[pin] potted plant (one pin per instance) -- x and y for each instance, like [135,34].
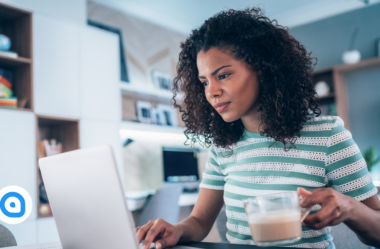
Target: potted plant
[371,158]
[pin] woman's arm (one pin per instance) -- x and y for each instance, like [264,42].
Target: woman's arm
[199,223]
[194,228]
[361,217]
[365,220]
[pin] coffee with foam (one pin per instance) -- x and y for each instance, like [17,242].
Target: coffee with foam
[275,225]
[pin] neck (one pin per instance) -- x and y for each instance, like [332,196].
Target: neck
[251,120]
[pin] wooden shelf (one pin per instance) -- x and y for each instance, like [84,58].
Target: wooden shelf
[10,13]
[330,95]
[14,62]
[17,109]
[335,78]
[128,125]
[340,73]
[361,65]
[129,112]
[17,25]
[149,92]
[64,130]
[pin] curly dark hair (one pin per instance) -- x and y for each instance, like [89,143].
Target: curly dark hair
[287,96]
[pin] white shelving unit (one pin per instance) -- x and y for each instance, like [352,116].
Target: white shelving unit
[75,79]
[127,125]
[149,90]
[99,75]
[18,152]
[56,67]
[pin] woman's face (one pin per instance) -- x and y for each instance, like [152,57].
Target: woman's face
[231,87]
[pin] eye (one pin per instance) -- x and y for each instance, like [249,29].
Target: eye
[223,76]
[205,83]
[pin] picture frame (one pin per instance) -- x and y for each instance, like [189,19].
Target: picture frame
[161,80]
[167,115]
[144,111]
[123,60]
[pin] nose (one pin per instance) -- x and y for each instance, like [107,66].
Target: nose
[213,90]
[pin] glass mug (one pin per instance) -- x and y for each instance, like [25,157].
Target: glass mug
[275,219]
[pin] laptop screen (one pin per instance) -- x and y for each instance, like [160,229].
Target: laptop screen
[180,165]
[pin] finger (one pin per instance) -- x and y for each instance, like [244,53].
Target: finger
[328,215]
[303,191]
[164,242]
[137,229]
[143,230]
[155,230]
[317,197]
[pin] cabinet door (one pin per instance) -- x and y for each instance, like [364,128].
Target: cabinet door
[18,152]
[47,231]
[94,133]
[56,67]
[100,74]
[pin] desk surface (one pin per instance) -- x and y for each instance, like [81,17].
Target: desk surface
[207,245]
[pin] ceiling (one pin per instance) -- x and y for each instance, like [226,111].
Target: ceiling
[185,15]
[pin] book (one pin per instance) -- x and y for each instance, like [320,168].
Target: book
[21,103]
[5,91]
[11,54]
[8,107]
[41,149]
[7,74]
[5,82]
[11,101]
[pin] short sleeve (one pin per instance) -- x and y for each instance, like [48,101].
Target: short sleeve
[346,169]
[213,177]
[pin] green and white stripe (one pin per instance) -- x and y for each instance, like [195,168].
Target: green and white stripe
[325,156]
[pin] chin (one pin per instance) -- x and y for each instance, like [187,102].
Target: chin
[228,117]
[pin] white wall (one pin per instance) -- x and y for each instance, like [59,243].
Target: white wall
[70,10]
[147,46]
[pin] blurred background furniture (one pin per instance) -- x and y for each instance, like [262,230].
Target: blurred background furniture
[6,237]
[164,205]
[221,224]
[345,238]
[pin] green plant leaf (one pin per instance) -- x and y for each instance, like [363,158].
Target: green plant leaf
[371,158]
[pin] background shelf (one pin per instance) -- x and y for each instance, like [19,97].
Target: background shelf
[17,25]
[63,130]
[14,62]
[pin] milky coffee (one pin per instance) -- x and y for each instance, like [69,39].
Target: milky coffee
[275,225]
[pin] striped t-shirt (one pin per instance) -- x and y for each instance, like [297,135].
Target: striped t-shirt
[325,156]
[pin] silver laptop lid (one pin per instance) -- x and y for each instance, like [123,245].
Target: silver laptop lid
[87,199]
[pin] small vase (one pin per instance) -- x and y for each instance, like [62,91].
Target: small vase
[350,57]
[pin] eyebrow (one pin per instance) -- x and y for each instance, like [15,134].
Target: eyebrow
[215,72]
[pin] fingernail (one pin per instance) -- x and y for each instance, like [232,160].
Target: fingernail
[304,190]
[158,245]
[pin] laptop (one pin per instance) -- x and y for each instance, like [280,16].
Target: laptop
[87,200]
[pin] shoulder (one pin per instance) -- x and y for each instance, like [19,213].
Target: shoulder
[323,123]
[324,119]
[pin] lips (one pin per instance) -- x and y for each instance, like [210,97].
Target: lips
[220,107]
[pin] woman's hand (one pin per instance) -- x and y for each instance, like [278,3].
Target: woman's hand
[336,207]
[159,231]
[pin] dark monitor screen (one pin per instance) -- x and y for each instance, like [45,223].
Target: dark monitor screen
[180,165]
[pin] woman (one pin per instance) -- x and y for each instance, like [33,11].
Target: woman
[249,95]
